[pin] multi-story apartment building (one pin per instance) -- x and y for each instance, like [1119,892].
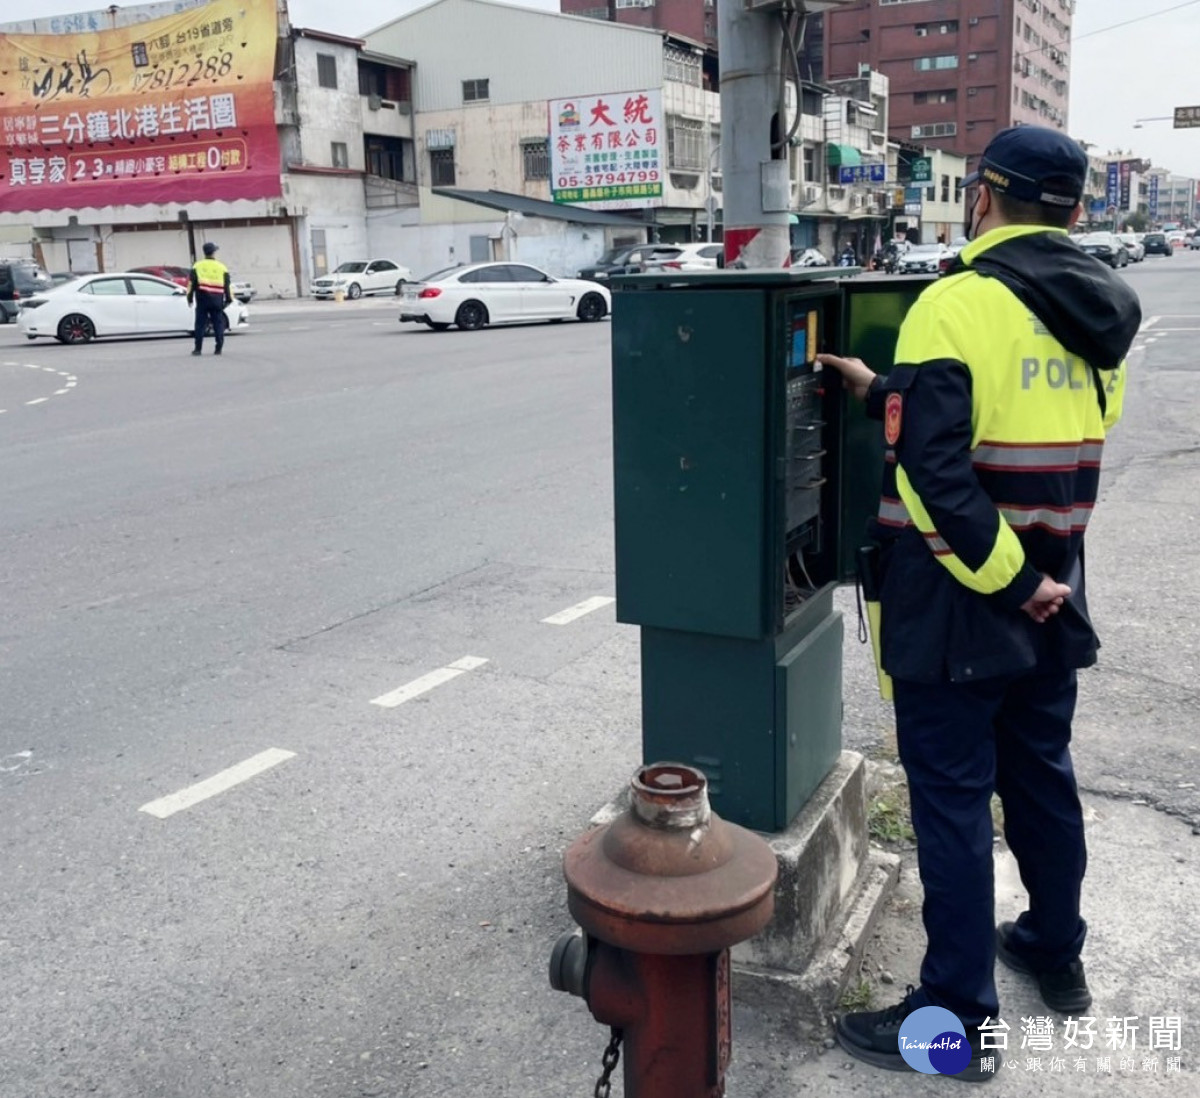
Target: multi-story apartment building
[959,70]
[694,19]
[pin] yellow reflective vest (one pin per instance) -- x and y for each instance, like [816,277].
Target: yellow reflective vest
[210,276]
[1009,373]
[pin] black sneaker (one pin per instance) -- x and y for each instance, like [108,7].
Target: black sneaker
[195,352]
[873,1036]
[1062,989]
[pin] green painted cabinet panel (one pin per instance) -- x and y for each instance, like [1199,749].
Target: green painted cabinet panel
[808,699]
[872,314]
[690,468]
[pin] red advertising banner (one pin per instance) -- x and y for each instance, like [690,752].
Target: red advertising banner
[179,109]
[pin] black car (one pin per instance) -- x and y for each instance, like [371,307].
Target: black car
[1106,248]
[628,259]
[18,279]
[1156,244]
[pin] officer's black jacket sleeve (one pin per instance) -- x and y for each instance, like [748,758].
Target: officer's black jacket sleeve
[934,450]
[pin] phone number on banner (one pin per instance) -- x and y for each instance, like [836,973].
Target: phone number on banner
[608,179]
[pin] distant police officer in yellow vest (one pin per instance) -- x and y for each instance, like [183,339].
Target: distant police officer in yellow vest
[210,289]
[1009,372]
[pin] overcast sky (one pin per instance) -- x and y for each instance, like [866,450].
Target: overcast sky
[1142,70]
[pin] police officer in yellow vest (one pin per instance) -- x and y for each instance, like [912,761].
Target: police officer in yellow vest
[1009,372]
[211,291]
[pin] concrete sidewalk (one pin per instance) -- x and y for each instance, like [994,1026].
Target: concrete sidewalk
[1143,940]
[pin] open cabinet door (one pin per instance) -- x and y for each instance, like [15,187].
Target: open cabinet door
[872,312]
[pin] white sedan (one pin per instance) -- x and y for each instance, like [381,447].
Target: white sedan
[500,293]
[363,276]
[116,305]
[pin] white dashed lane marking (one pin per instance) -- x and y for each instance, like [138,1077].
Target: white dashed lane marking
[69,382]
[573,613]
[218,783]
[428,682]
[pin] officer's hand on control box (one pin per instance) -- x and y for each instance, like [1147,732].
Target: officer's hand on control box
[856,374]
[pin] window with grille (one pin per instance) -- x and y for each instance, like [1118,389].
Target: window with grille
[535,159]
[340,154]
[682,67]
[327,70]
[936,129]
[475,91]
[441,167]
[685,144]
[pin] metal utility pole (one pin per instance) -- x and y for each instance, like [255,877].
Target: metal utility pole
[751,37]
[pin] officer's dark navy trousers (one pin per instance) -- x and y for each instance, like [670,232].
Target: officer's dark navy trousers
[209,312]
[958,744]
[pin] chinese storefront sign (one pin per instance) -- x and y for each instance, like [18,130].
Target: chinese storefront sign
[608,151]
[1113,192]
[1153,198]
[862,173]
[1126,179]
[178,109]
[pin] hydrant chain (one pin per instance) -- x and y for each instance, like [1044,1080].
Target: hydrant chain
[610,1059]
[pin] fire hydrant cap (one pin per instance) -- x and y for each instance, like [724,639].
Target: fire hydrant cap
[668,875]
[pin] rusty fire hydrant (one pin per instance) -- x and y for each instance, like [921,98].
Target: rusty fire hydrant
[660,894]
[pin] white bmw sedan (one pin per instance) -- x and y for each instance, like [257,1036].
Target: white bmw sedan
[476,294]
[116,305]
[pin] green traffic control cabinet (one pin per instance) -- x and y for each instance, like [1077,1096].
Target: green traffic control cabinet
[743,483]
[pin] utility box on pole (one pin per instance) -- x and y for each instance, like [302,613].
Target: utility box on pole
[743,482]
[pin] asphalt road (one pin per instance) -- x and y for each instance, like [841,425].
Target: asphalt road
[218,568]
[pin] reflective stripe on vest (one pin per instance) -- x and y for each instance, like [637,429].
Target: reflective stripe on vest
[210,276]
[1057,520]
[1032,457]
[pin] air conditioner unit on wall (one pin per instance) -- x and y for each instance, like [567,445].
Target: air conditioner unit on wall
[810,194]
[374,102]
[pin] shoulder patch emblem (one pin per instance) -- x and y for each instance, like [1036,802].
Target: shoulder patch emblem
[893,413]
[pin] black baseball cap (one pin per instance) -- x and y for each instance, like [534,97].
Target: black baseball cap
[210,248]
[1033,164]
